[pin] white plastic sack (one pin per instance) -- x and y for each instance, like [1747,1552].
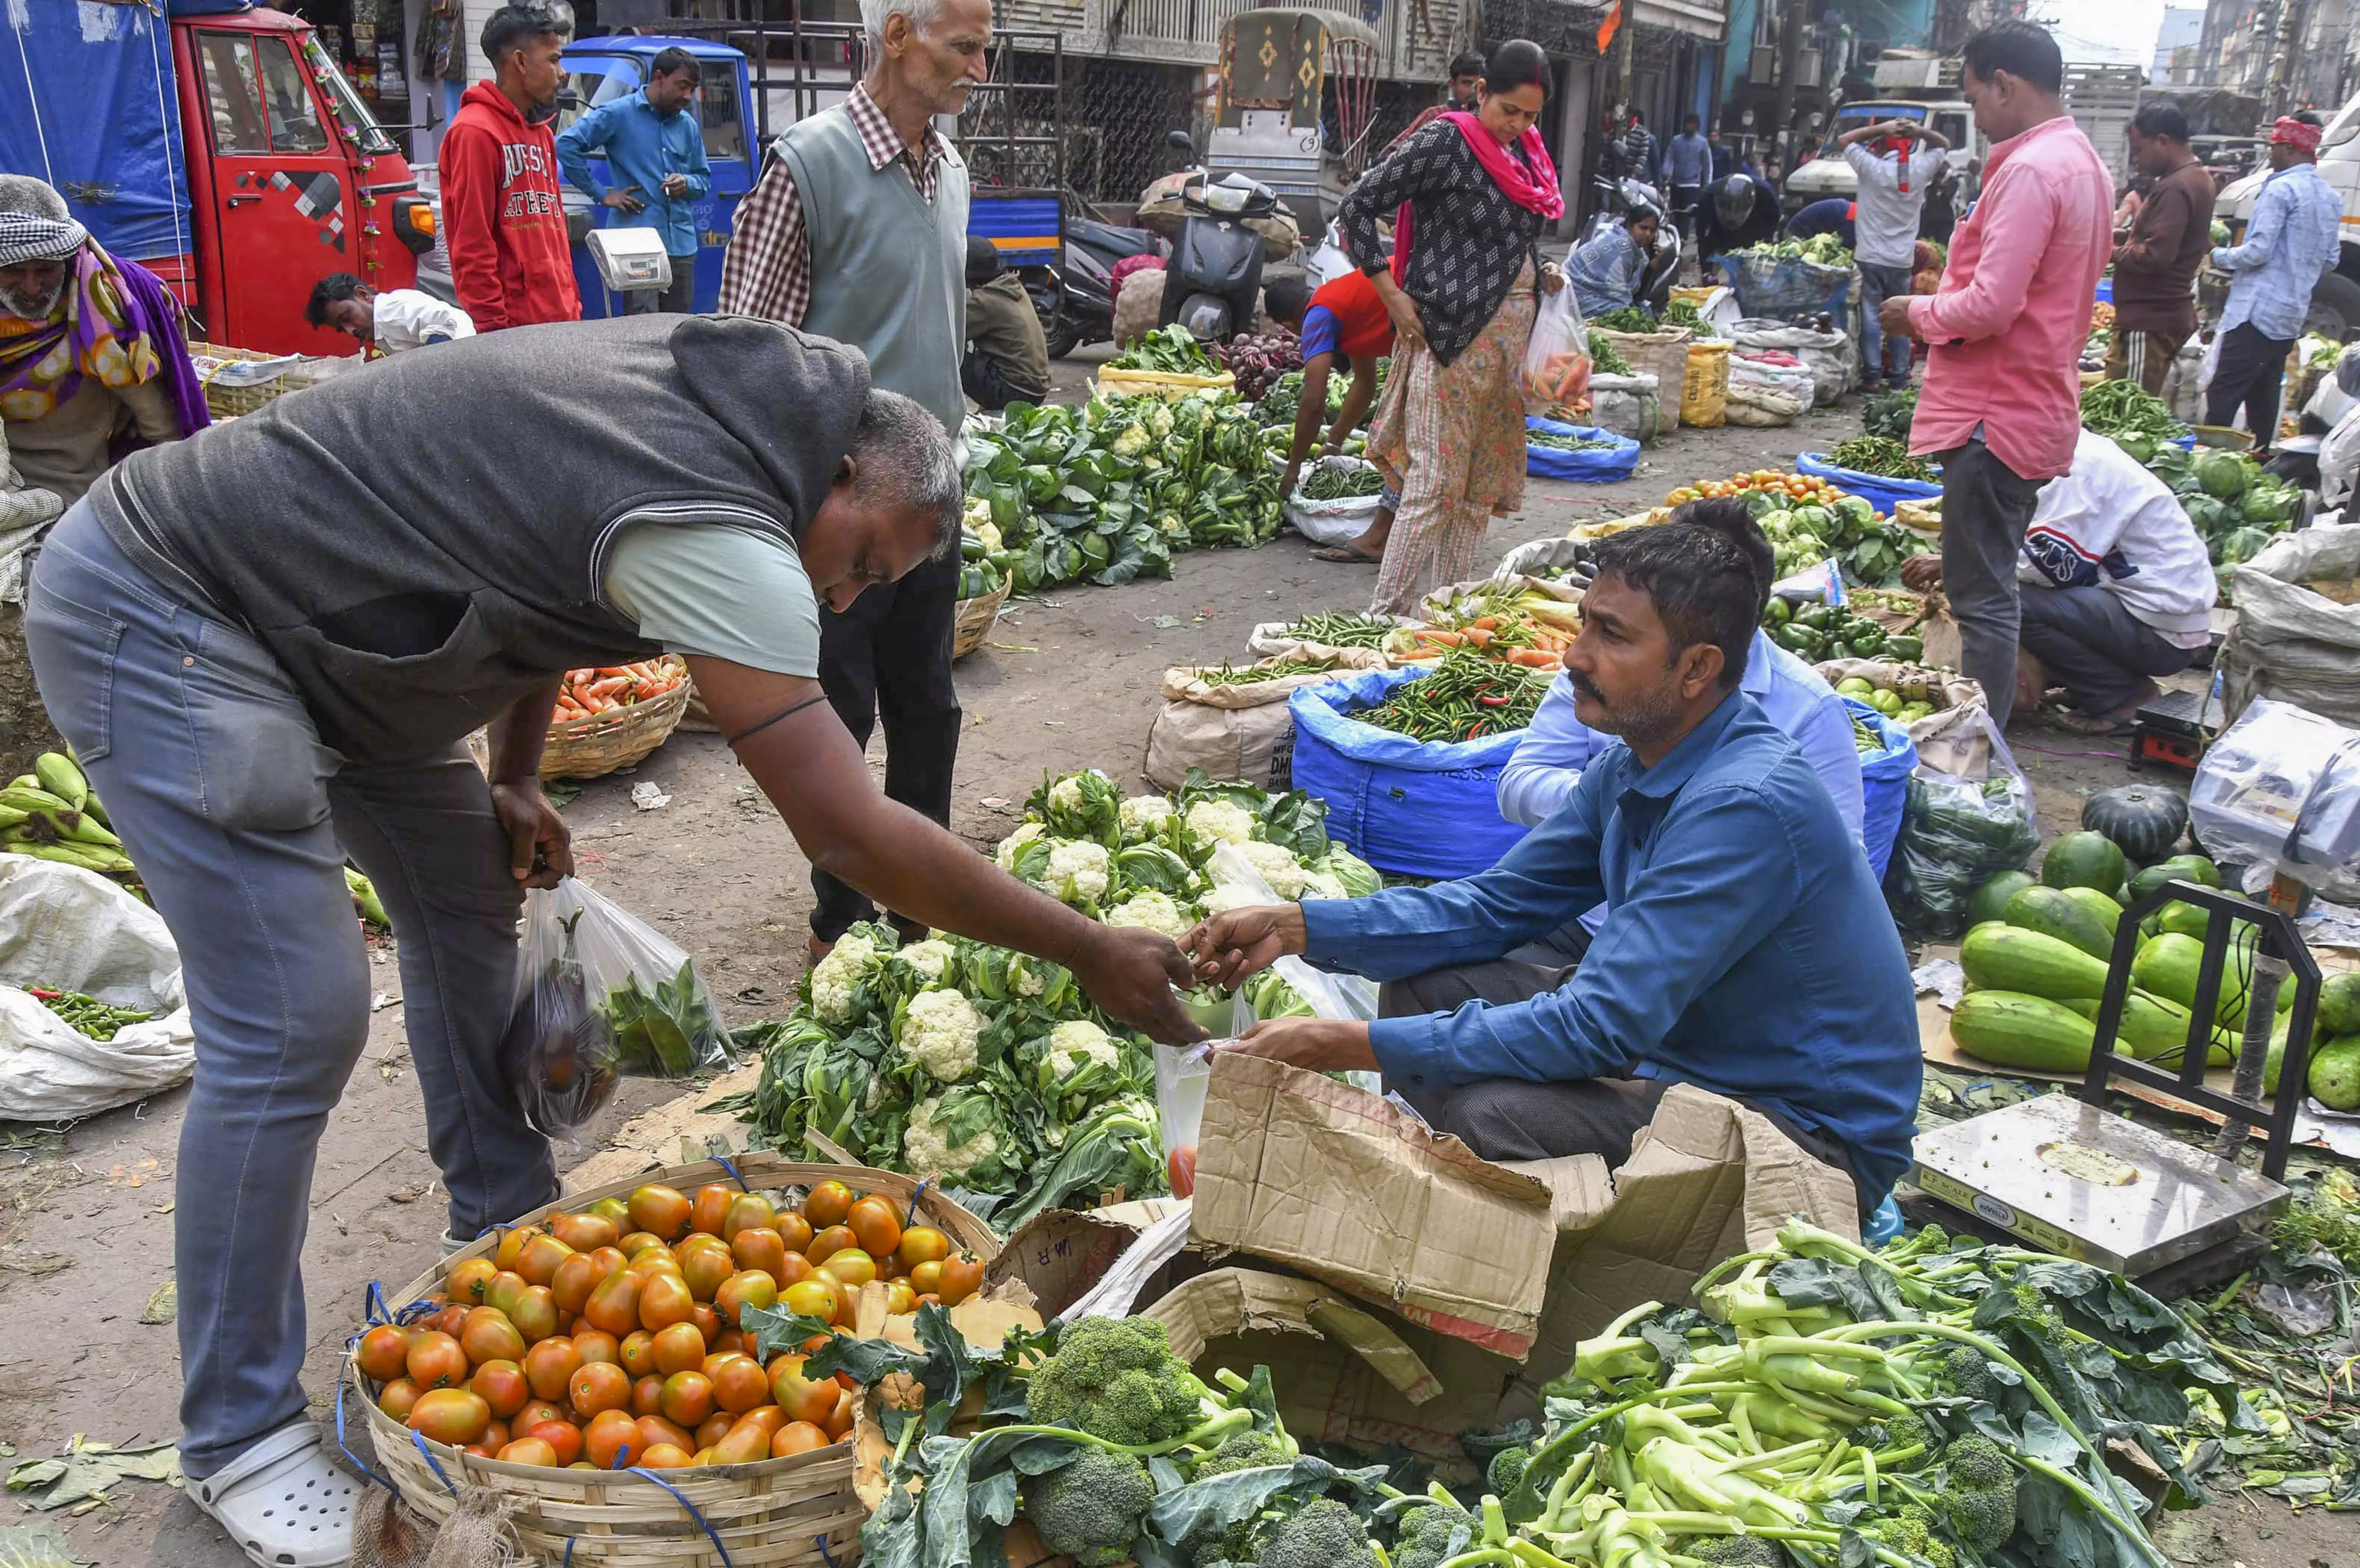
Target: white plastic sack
[1828,354]
[2184,383]
[1627,405]
[2297,633]
[1333,522]
[65,928]
[1793,382]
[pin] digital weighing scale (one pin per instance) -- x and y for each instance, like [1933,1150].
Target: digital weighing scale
[2172,730]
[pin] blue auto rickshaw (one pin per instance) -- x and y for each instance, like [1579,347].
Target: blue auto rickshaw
[602,69]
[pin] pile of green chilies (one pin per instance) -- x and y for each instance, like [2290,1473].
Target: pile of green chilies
[1337,630]
[1466,697]
[88,1015]
[1255,674]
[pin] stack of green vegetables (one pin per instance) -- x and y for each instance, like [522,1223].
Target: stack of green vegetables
[1172,351]
[2235,506]
[1870,551]
[1890,414]
[1830,631]
[1881,456]
[1625,319]
[1559,440]
[1110,490]
[990,1070]
[2139,421]
[1466,697]
[1934,1404]
[1340,482]
[1684,313]
[1820,250]
[1284,400]
[1604,358]
[1335,628]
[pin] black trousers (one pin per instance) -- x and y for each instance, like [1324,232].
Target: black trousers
[677,298]
[2101,653]
[980,377]
[889,656]
[2250,372]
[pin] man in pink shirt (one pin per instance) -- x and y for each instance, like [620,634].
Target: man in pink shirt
[2001,406]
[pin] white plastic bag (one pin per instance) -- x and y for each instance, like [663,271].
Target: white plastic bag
[1332,522]
[2281,788]
[600,997]
[65,928]
[1556,357]
[1828,354]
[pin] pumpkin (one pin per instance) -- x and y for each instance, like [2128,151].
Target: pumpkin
[2143,819]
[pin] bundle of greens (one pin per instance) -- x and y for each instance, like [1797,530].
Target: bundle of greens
[1684,313]
[1881,456]
[1604,359]
[1934,1405]
[1625,319]
[1890,414]
[1172,351]
[2139,421]
[993,1072]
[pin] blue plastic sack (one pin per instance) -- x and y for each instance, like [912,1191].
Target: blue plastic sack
[1593,467]
[1404,806]
[1786,288]
[1873,488]
[1884,785]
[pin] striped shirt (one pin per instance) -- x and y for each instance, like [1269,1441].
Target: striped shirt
[768,270]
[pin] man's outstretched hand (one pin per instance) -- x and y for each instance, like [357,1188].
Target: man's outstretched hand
[1228,947]
[1315,1045]
[1131,972]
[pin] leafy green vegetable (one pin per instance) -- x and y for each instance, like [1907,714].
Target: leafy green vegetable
[1172,350]
[1890,414]
[1604,358]
[1625,319]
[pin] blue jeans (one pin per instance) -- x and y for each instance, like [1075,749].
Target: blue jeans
[1878,283]
[239,818]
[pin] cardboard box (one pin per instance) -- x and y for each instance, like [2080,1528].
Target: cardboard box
[1340,1184]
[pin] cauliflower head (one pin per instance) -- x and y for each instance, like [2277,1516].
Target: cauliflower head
[929,958]
[1220,821]
[833,979]
[1078,1042]
[1153,909]
[1142,815]
[1066,794]
[1278,867]
[1324,884]
[939,1033]
[1229,896]
[1017,840]
[927,1148]
[1077,872]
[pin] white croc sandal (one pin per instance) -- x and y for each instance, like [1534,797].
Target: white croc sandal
[284,1501]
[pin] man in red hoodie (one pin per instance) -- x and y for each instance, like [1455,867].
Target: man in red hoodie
[503,207]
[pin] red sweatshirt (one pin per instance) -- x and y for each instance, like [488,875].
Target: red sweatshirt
[504,215]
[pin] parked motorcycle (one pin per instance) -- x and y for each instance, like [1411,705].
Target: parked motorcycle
[1214,278]
[1076,301]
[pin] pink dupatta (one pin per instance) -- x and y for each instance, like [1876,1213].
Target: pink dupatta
[1531,184]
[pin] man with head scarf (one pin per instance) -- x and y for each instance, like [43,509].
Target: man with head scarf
[92,361]
[2291,243]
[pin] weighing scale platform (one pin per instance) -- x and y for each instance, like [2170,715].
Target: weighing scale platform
[2085,1183]
[2170,730]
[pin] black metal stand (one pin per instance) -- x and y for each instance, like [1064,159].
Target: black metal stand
[2279,939]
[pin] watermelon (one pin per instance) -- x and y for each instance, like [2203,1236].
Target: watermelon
[1990,900]
[2083,859]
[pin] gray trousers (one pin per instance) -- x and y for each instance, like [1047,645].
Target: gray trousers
[1514,1118]
[239,820]
[2101,654]
[1986,506]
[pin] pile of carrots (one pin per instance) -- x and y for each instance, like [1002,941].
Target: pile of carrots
[1529,630]
[1561,380]
[590,692]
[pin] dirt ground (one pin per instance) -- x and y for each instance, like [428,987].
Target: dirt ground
[1067,681]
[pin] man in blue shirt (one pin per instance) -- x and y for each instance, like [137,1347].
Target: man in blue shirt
[655,152]
[1549,761]
[2292,242]
[1748,952]
[1687,168]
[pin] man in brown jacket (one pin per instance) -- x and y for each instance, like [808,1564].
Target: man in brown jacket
[2159,241]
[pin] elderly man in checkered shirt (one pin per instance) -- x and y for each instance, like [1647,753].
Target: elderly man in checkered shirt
[857,231]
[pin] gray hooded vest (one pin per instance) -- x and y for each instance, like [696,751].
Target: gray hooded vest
[422,541]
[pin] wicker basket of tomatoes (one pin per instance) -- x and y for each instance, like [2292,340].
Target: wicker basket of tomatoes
[583,1361]
[614,717]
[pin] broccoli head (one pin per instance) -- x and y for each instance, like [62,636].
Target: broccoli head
[1982,1493]
[1913,1530]
[1425,1532]
[1324,1534]
[1735,1552]
[1970,1374]
[1116,1378]
[1906,1432]
[1089,1510]
[1241,1451]
[1507,1469]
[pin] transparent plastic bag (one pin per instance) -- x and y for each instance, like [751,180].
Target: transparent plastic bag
[600,997]
[2281,788]
[1957,832]
[1182,1074]
[1556,357]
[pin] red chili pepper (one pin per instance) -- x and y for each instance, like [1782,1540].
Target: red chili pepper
[45,996]
[1492,702]
[1477,730]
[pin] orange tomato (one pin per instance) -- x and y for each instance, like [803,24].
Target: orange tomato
[540,1412]
[398,1397]
[758,1247]
[511,1244]
[584,1233]
[706,1268]
[688,1399]
[740,1446]
[612,1209]
[664,1300]
[826,1243]
[450,1319]
[550,1365]
[614,1306]
[797,1437]
[465,1281]
[456,1416]
[815,1297]
[707,1322]
[575,1278]
[635,1242]
[804,1399]
[840,1424]
[900,1298]
[792,1267]
[637,1352]
[962,1277]
[665,1456]
[748,1211]
[828,1204]
[923,1244]
[384,1352]
[598,1386]
[595,1345]
[794,1230]
[610,1439]
[564,1439]
[662,1212]
[535,1314]
[739,1384]
[729,1339]
[768,1419]
[435,1361]
[751,1289]
[489,1335]
[656,1429]
[531,1451]
[501,1386]
[713,1428]
[926,1277]
[852,1267]
[876,1223]
[647,1396]
[538,1260]
[710,1207]
[677,1347]
[502,1288]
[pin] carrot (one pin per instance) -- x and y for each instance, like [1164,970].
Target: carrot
[607,687]
[1478,635]
[1533,659]
[1439,639]
[1486,622]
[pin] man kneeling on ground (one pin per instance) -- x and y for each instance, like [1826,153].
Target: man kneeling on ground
[1747,950]
[2118,589]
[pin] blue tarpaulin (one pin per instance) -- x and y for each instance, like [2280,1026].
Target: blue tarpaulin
[87,102]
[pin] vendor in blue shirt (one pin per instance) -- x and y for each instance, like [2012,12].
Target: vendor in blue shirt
[655,152]
[1549,760]
[1748,950]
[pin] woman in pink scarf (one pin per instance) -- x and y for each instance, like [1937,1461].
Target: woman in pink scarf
[1468,196]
